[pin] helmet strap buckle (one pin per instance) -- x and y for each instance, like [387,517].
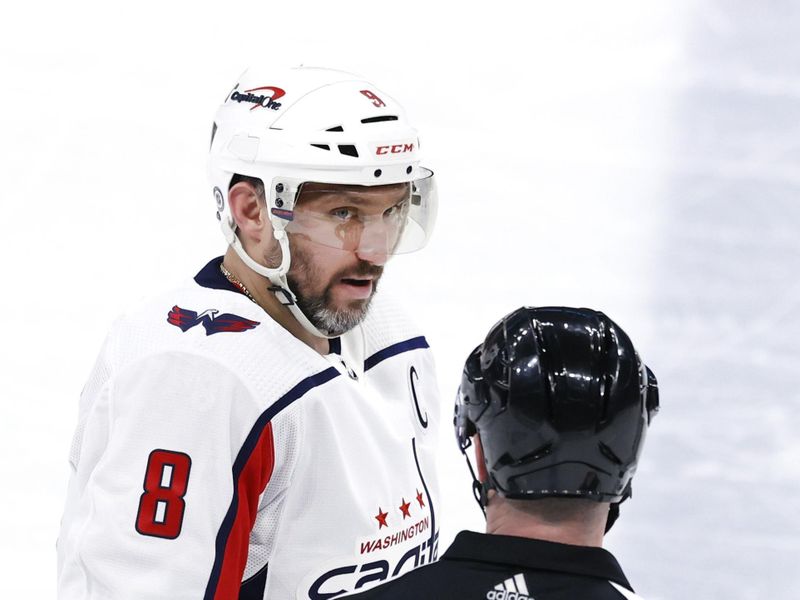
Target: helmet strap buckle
[288,298]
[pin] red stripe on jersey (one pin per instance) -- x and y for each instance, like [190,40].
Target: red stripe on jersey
[251,484]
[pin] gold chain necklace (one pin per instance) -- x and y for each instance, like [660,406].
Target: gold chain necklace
[235,282]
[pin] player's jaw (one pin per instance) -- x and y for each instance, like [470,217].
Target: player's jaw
[334,302]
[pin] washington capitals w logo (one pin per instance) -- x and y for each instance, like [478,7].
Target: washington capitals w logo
[213,322]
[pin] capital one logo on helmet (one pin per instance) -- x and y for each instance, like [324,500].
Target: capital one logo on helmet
[259,100]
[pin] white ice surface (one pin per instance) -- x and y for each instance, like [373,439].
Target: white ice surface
[636,157]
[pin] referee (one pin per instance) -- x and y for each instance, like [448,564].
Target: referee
[557,403]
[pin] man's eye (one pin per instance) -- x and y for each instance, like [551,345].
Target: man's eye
[345,214]
[393,211]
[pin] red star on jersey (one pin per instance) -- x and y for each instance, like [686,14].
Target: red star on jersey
[381,517]
[404,508]
[419,498]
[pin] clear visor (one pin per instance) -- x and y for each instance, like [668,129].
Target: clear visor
[382,219]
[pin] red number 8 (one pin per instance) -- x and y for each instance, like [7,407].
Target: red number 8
[161,506]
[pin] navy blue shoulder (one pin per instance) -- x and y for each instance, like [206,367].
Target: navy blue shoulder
[394,350]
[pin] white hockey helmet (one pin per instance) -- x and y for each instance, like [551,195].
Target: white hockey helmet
[323,126]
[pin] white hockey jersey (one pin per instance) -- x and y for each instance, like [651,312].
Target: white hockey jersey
[217,456]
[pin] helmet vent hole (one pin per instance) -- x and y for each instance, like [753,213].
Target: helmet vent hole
[337,128]
[321,146]
[540,452]
[348,150]
[606,384]
[506,460]
[378,172]
[609,453]
[408,170]
[605,360]
[379,119]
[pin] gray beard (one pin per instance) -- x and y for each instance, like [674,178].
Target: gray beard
[316,307]
[334,323]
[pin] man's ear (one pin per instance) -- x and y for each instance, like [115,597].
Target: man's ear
[246,208]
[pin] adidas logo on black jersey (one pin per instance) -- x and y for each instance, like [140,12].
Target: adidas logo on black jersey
[513,588]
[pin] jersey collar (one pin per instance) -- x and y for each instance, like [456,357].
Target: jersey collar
[211,276]
[536,554]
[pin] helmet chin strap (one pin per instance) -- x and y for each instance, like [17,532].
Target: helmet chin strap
[480,490]
[277,277]
[613,509]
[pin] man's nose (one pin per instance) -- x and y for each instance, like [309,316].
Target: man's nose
[373,245]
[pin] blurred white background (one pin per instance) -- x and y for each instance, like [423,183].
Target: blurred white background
[635,157]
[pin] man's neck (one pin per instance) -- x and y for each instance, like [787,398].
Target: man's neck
[258,287]
[585,529]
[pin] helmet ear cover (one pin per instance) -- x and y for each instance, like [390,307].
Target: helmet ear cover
[562,403]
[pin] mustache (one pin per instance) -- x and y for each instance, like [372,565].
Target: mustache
[363,269]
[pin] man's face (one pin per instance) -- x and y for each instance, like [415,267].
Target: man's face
[340,239]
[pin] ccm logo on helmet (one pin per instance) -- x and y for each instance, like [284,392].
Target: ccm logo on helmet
[260,100]
[394,149]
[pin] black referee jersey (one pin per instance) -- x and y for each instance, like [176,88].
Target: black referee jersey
[478,566]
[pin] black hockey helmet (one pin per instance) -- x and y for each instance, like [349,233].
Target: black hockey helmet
[561,401]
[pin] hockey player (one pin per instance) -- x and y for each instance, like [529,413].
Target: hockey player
[558,404]
[267,430]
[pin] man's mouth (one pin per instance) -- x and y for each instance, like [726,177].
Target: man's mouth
[357,288]
[360,282]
